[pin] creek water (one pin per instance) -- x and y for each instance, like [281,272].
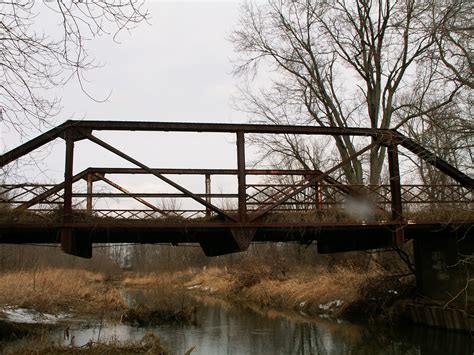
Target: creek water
[221,328]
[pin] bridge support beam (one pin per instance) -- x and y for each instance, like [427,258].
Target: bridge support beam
[90,190]
[69,243]
[241,177]
[208,193]
[443,268]
[396,194]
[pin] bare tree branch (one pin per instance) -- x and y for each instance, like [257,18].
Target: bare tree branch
[349,62]
[34,60]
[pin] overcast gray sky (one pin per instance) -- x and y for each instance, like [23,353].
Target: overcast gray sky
[178,68]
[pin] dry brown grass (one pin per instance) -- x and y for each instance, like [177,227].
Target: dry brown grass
[216,278]
[171,280]
[53,290]
[80,291]
[341,284]
[297,289]
[163,299]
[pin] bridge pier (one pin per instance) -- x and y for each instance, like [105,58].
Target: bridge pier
[443,268]
[233,240]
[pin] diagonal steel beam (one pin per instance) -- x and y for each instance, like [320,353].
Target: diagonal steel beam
[128,193]
[33,144]
[37,199]
[310,181]
[159,176]
[431,158]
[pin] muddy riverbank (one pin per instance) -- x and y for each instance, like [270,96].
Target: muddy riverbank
[207,308]
[342,292]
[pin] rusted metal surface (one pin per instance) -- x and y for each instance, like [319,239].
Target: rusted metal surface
[395,186]
[178,127]
[12,193]
[311,196]
[50,192]
[90,191]
[317,196]
[69,243]
[169,171]
[165,224]
[130,194]
[241,176]
[306,183]
[329,194]
[437,162]
[224,128]
[173,232]
[160,176]
[31,145]
[68,177]
[382,135]
[151,195]
[396,193]
[208,194]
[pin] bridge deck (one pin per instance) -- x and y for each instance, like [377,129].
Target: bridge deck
[335,237]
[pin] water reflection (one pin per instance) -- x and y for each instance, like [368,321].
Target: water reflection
[225,329]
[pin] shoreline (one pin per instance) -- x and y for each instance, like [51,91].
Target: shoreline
[341,293]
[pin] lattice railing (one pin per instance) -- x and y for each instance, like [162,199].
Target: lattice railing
[322,197]
[334,196]
[20,193]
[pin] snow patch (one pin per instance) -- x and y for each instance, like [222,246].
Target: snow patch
[31,316]
[331,305]
[302,304]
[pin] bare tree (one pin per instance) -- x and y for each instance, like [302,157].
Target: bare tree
[453,32]
[344,63]
[34,59]
[449,136]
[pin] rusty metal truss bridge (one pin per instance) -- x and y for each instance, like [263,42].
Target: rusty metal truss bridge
[265,205]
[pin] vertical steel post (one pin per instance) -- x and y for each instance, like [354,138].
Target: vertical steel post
[241,176]
[317,197]
[208,193]
[90,182]
[67,244]
[68,173]
[396,192]
[70,243]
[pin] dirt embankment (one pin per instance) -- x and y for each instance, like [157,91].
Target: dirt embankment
[346,292]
